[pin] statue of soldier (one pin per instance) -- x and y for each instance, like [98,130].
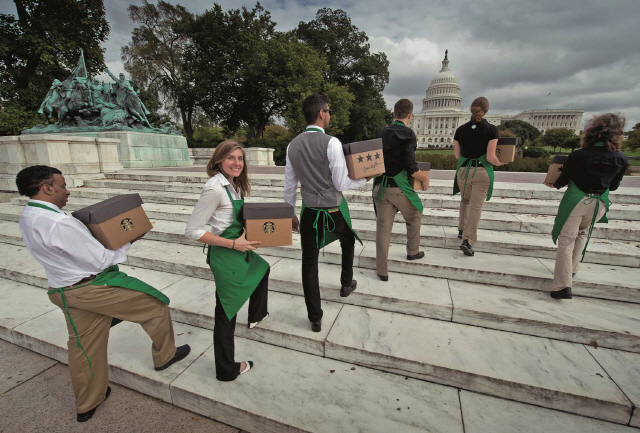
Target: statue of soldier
[120,88]
[98,97]
[53,99]
[128,99]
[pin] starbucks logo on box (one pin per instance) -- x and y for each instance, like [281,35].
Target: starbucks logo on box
[269,227]
[126,224]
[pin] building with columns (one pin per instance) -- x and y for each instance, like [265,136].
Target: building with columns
[442,113]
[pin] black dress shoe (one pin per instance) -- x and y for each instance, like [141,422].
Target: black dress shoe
[316,326]
[346,291]
[384,277]
[562,294]
[86,416]
[466,249]
[573,275]
[415,256]
[459,234]
[181,353]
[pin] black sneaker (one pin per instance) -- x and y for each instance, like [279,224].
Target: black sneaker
[181,353]
[383,277]
[316,326]
[86,416]
[346,291]
[466,249]
[562,294]
[415,256]
[459,234]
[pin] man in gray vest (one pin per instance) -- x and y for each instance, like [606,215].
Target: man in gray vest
[317,161]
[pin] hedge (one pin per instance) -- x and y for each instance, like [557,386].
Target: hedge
[449,162]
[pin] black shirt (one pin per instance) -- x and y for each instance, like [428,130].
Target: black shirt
[399,145]
[593,170]
[474,138]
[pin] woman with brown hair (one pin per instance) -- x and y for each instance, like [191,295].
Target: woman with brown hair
[239,272]
[590,172]
[475,146]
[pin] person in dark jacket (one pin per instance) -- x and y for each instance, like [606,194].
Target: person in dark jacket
[392,191]
[590,174]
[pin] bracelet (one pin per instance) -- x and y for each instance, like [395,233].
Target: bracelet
[233,247]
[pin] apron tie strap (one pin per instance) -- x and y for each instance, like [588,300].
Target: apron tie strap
[326,218]
[465,174]
[73,325]
[382,187]
[587,201]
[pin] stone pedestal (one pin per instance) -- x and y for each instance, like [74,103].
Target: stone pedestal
[145,150]
[79,158]
[201,155]
[255,155]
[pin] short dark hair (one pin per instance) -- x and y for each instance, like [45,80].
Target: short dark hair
[29,180]
[312,105]
[402,109]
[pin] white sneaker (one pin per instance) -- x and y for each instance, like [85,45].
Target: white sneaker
[253,324]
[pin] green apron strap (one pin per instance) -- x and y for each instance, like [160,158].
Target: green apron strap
[40,205]
[382,187]
[326,217]
[398,123]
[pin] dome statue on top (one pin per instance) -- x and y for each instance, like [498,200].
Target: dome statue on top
[79,104]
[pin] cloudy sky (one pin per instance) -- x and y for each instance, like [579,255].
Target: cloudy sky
[586,53]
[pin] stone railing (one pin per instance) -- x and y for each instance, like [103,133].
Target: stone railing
[79,158]
[255,155]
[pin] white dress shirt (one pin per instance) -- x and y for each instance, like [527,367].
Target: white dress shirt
[337,166]
[64,245]
[213,208]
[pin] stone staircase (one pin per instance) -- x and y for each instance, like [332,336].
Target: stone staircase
[449,344]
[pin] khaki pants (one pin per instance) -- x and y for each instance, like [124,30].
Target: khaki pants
[571,242]
[394,200]
[92,308]
[475,195]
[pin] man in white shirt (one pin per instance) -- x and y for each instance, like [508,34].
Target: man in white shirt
[317,161]
[72,258]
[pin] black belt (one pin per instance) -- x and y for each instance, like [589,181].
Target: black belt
[84,280]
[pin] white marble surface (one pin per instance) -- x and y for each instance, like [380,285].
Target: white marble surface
[193,302]
[582,320]
[18,265]
[510,271]
[46,334]
[614,229]
[294,392]
[528,369]
[485,414]
[20,303]
[624,369]
[131,363]
[409,294]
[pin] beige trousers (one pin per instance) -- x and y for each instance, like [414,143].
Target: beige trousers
[571,242]
[475,194]
[92,308]
[394,200]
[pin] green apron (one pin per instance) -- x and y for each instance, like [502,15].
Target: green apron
[402,180]
[572,196]
[236,273]
[324,221]
[111,276]
[482,161]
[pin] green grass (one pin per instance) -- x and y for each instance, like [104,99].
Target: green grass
[437,151]
[634,162]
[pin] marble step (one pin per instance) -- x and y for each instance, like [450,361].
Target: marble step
[582,320]
[547,373]
[626,231]
[278,375]
[524,190]
[169,223]
[445,201]
[450,358]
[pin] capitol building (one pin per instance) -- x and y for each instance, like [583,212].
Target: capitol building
[442,113]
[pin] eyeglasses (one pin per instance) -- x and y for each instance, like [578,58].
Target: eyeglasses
[328,111]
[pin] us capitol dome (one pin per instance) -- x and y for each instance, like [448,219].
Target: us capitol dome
[442,113]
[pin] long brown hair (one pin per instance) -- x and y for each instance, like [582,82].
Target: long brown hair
[479,108]
[220,154]
[605,128]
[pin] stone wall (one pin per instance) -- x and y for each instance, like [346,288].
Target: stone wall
[255,156]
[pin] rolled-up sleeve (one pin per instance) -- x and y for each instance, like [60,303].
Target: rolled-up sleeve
[203,211]
[290,182]
[338,168]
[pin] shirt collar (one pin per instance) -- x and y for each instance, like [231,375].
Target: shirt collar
[315,127]
[223,180]
[46,203]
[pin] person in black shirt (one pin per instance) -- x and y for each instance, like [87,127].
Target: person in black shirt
[392,191]
[590,173]
[475,146]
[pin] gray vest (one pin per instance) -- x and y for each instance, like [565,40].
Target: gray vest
[308,155]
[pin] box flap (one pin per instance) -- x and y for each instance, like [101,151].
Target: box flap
[559,159]
[99,212]
[424,166]
[513,141]
[255,211]
[362,146]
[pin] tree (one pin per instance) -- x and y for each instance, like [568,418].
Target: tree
[523,130]
[351,64]
[572,142]
[633,138]
[555,137]
[42,42]
[155,58]
[507,133]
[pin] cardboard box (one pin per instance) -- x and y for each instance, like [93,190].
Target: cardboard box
[269,223]
[364,158]
[555,169]
[506,149]
[116,221]
[415,183]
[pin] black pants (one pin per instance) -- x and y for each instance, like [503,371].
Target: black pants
[310,251]
[223,345]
